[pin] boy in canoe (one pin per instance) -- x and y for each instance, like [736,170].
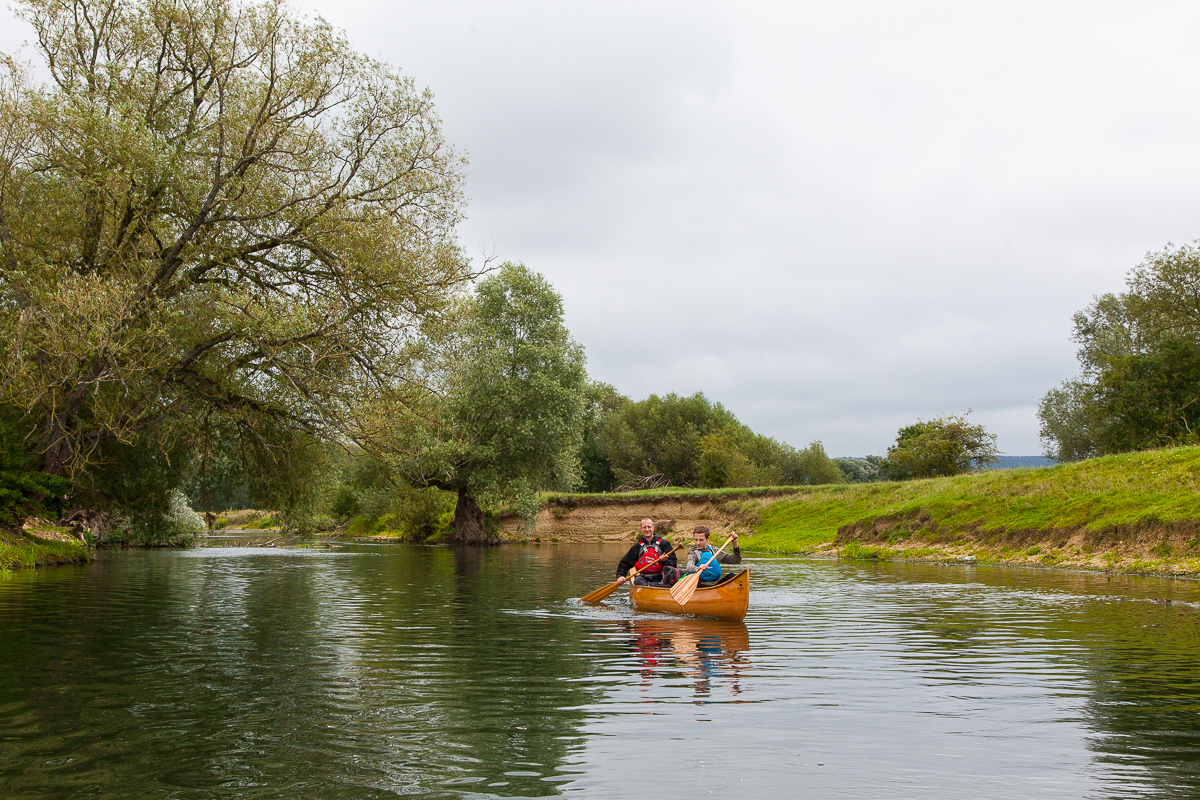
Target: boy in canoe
[700,557]
[642,556]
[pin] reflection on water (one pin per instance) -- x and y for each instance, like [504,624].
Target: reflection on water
[703,649]
[394,671]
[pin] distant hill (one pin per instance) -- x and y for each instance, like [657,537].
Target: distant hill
[1016,462]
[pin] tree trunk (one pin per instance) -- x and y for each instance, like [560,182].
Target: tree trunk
[468,521]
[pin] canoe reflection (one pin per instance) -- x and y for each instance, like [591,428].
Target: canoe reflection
[706,650]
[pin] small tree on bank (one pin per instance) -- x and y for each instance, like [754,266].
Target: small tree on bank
[1139,355]
[942,446]
[507,416]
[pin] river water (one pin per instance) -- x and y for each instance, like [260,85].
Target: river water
[372,672]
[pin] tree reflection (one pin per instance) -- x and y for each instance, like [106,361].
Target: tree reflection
[415,671]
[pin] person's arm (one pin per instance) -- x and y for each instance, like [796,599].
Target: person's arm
[692,557]
[627,562]
[736,556]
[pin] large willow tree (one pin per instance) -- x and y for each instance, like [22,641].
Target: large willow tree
[504,418]
[212,207]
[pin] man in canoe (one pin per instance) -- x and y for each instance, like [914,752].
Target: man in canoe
[643,555]
[700,557]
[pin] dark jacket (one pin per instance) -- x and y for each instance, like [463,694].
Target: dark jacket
[639,547]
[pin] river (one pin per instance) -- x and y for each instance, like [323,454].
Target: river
[391,671]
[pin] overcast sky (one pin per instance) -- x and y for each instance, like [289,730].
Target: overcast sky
[834,218]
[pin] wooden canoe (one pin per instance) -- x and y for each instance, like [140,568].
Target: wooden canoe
[727,600]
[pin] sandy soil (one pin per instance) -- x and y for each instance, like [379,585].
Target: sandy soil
[618,520]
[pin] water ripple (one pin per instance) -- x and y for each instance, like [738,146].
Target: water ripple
[405,671]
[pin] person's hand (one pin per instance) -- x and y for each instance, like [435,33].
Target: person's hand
[620,580]
[734,536]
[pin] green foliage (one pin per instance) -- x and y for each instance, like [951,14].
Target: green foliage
[1140,357]
[213,207]
[521,392]
[373,503]
[722,462]
[694,441]
[1070,425]
[15,553]
[24,489]
[810,466]
[595,467]
[663,435]
[1152,399]
[856,551]
[258,464]
[183,526]
[508,418]
[941,447]
[860,470]
[133,482]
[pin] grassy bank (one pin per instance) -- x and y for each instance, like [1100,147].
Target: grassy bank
[18,549]
[1140,510]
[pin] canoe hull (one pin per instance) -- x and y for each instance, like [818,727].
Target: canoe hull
[730,600]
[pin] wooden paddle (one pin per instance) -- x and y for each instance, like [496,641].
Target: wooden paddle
[605,591]
[683,591]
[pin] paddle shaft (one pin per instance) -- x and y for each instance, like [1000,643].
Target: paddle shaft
[604,591]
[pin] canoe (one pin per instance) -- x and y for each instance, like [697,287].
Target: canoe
[727,600]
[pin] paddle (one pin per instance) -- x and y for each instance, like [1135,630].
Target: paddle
[605,591]
[683,591]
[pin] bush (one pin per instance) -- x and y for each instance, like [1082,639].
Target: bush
[860,470]
[942,446]
[184,526]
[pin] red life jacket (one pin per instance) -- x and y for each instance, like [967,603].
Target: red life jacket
[649,554]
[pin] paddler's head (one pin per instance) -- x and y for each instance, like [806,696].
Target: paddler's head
[700,537]
[647,529]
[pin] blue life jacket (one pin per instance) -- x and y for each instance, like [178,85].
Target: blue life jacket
[712,567]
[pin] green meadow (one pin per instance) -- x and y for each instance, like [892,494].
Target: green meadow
[1143,488]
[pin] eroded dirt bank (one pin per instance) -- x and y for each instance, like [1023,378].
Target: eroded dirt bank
[1168,548]
[615,519]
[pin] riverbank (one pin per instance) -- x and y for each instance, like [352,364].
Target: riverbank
[1135,513]
[615,517]
[40,548]
[1138,512]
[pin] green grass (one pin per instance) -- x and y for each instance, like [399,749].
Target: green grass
[1146,488]
[853,551]
[18,552]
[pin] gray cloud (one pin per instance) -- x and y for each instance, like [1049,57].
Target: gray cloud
[834,218]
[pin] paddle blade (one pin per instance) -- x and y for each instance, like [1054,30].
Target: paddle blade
[683,591]
[600,594]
